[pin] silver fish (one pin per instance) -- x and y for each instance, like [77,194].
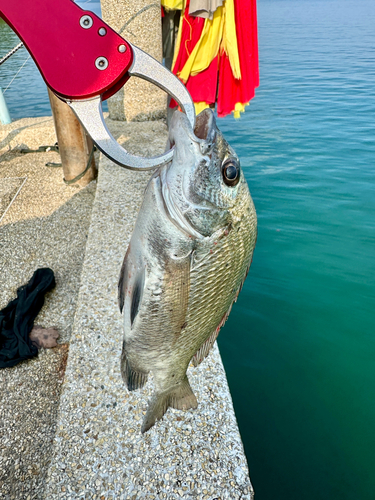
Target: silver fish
[187,259]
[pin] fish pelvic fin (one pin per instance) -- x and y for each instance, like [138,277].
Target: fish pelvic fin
[132,378]
[180,397]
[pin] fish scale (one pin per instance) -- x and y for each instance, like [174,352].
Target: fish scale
[221,292]
[189,254]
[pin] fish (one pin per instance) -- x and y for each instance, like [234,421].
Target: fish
[188,256]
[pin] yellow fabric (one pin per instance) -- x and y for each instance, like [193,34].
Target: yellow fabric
[206,48]
[229,43]
[217,32]
[179,34]
[238,109]
[173,4]
[200,106]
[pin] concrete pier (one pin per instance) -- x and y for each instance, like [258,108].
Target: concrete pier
[99,451]
[85,441]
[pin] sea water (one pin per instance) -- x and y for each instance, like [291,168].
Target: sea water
[299,346]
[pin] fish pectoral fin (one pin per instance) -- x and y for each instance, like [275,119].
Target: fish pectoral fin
[123,280]
[180,397]
[121,286]
[132,378]
[138,287]
[131,283]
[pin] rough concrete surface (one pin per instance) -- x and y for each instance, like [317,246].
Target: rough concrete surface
[46,225]
[29,399]
[99,451]
[91,443]
[138,21]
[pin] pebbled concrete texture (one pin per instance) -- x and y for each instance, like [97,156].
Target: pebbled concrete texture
[29,401]
[139,22]
[99,451]
[46,225]
[33,132]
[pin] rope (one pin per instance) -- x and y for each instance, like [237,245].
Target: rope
[53,164]
[14,197]
[137,14]
[13,51]
[55,147]
[16,74]
[79,176]
[41,149]
[44,149]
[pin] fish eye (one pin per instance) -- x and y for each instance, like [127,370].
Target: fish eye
[231,172]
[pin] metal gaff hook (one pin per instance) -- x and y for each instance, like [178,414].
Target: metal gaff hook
[90,112]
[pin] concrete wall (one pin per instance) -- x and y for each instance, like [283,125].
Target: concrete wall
[139,22]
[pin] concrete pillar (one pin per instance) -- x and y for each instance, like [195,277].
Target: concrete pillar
[75,146]
[139,22]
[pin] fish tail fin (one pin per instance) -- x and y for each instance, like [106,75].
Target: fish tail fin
[180,397]
[132,378]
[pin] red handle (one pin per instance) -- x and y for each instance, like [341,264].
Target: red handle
[78,55]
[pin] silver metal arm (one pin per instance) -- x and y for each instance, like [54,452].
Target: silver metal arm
[150,69]
[90,113]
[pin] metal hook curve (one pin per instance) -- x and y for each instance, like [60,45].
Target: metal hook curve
[148,68]
[90,114]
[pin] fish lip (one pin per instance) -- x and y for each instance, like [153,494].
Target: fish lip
[184,123]
[173,212]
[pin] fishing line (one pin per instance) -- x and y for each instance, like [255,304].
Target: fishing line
[16,74]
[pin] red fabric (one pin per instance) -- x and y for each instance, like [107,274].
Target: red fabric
[231,90]
[191,32]
[217,83]
[203,86]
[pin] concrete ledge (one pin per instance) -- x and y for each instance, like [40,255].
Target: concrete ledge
[99,452]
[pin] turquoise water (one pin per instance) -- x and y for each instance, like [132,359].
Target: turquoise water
[299,346]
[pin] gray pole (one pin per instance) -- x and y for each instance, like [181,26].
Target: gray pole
[75,146]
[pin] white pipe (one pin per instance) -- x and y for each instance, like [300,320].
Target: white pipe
[4,113]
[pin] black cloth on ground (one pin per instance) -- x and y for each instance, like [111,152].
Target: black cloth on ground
[17,318]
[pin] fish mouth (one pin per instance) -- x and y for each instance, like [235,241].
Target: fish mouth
[204,132]
[173,211]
